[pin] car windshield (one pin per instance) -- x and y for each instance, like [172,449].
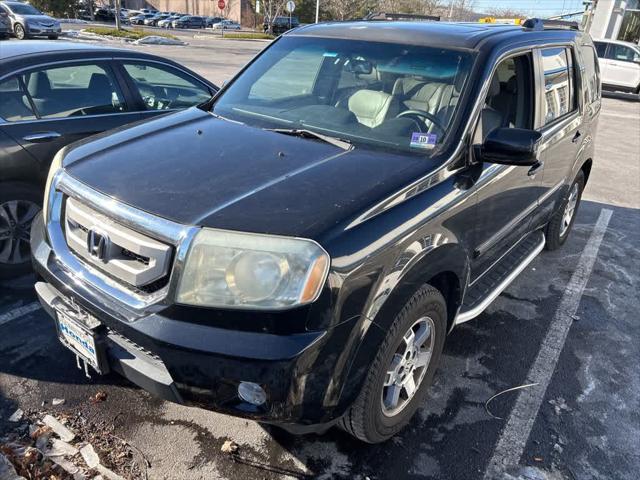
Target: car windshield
[23,9]
[373,94]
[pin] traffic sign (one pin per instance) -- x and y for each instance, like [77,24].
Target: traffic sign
[291,6]
[221,4]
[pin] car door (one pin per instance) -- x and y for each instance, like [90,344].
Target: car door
[507,195]
[623,66]
[61,103]
[161,87]
[561,124]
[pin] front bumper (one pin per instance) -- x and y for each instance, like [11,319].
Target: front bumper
[37,30]
[200,364]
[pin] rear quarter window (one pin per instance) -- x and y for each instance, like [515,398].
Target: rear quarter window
[590,74]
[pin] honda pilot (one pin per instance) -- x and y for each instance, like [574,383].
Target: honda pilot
[297,249]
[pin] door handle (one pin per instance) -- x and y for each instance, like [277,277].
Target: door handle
[41,137]
[535,168]
[576,137]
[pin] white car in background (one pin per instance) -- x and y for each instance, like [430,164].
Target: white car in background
[166,23]
[619,65]
[226,25]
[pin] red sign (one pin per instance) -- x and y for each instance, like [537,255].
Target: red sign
[221,4]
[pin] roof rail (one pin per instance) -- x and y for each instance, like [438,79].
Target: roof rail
[401,17]
[537,24]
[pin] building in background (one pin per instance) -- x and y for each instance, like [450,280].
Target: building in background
[615,19]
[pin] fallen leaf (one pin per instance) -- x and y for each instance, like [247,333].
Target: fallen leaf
[229,446]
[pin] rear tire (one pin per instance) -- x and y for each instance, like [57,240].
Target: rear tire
[374,417]
[559,228]
[19,204]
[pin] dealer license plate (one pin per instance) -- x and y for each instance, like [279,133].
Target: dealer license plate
[78,339]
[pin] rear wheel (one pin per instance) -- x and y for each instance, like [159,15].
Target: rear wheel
[402,370]
[19,32]
[559,227]
[19,204]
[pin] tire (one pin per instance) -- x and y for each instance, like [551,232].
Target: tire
[15,256]
[559,227]
[19,32]
[368,419]
[52,37]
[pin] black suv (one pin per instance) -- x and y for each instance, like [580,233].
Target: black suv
[296,250]
[281,25]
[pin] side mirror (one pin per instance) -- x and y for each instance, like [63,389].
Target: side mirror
[511,146]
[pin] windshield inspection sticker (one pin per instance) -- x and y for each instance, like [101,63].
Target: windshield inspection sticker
[423,140]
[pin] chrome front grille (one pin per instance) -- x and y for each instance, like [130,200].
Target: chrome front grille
[113,248]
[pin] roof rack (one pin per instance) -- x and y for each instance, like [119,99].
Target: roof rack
[538,24]
[401,17]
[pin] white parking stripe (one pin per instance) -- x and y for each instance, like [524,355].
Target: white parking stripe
[516,432]
[19,312]
[620,115]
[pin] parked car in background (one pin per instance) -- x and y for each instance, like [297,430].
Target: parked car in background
[619,65]
[5,25]
[168,22]
[27,21]
[296,250]
[104,14]
[210,21]
[282,24]
[153,21]
[226,25]
[52,94]
[189,21]
[139,19]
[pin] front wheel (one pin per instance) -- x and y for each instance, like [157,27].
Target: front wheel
[19,32]
[402,370]
[19,204]
[559,227]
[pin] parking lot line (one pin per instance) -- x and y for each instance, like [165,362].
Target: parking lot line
[515,434]
[19,312]
[620,115]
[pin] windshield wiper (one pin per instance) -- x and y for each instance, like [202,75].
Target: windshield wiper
[301,132]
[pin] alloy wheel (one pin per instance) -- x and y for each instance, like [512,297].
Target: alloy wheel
[19,31]
[408,366]
[15,226]
[569,210]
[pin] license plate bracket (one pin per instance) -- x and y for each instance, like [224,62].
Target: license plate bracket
[78,331]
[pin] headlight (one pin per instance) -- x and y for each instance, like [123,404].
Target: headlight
[245,270]
[56,165]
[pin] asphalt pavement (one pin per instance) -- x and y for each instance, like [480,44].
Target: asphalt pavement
[567,327]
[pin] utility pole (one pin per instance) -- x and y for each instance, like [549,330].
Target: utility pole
[117,12]
[317,10]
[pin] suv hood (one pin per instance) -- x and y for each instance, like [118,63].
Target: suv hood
[38,18]
[197,169]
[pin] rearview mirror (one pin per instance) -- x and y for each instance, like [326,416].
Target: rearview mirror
[360,66]
[511,146]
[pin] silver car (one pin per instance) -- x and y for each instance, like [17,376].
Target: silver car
[5,25]
[27,21]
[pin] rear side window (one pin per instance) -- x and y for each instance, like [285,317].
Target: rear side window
[14,103]
[590,74]
[601,48]
[73,91]
[164,88]
[560,96]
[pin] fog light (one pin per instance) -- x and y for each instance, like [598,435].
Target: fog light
[252,393]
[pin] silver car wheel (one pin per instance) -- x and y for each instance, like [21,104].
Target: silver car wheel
[15,225]
[408,366]
[569,210]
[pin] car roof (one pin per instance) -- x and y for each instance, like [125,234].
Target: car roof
[33,47]
[618,42]
[445,34]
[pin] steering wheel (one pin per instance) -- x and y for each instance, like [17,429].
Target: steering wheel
[422,115]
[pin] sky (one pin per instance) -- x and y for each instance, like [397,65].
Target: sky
[539,8]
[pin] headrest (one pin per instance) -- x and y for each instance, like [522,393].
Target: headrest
[39,85]
[494,88]
[99,82]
